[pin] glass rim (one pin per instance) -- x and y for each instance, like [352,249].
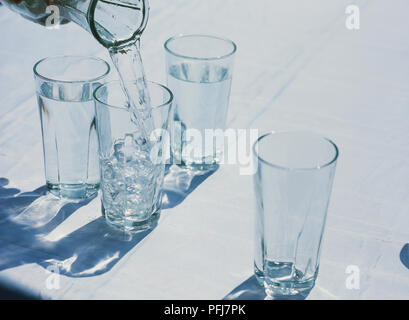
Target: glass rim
[168,102]
[93,79]
[117,43]
[181,36]
[319,167]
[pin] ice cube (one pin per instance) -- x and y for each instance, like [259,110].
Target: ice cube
[143,182]
[106,195]
[128,140]
[118,151]
[129,174]
[108,171]
[119,199]
[144,167]
[129,148]
[140,141]
[133,188]
[120,185]
[133,199]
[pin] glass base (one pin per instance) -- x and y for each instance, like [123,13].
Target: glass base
[198,165]
[259,275]
[130,225]
[80,191]
[199,168]
[290,288]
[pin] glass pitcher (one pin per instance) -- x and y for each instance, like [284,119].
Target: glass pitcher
[111,22]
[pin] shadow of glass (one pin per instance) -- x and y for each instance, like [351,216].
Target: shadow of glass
[248,290]
[12,202]
[9,293]
[91,250]
[252,290]
[27,218]
[179,183]
[404,255]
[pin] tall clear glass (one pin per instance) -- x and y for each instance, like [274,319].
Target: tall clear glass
[293,182]
[132,168]
[199,73]
[64,87]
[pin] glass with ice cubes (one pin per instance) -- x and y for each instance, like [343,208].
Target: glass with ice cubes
[132,161]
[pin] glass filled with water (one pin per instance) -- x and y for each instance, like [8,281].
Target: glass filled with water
[293,182]
[199,73]
[132,166]
[64,87]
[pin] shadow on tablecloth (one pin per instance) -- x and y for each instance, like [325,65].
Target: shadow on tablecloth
[247,290]
[179,183]
[28,219]
[250,289]
[28,223]
[404,255]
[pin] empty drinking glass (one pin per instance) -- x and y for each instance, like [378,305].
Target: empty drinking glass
[132,168]
[293,183]
[64,88]
[199,73]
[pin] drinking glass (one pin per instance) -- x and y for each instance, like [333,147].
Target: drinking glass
[64,87]
[199,73]
[132,167]
[293,182]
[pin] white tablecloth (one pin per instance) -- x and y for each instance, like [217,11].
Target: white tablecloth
[297,67]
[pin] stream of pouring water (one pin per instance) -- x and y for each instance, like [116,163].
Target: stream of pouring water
[128,62]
